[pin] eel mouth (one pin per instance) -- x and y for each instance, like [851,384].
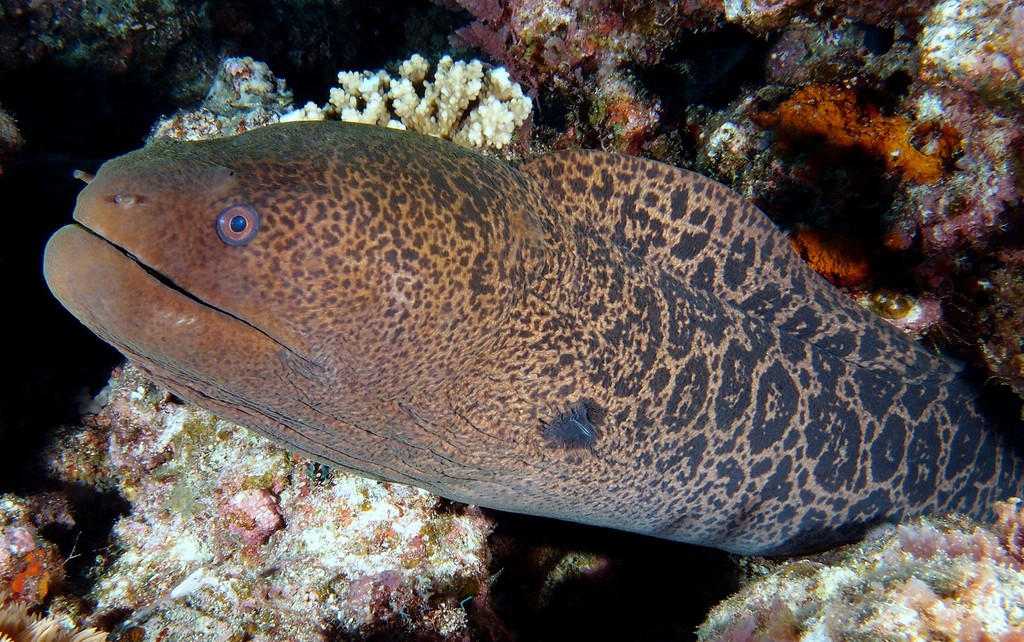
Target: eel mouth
[154,273]
[121,298]
[143,314]
[95,278]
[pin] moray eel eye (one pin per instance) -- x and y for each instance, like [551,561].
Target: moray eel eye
[238,224]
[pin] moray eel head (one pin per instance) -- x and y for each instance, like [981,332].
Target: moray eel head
[142,271]
[331,300]
[311,255]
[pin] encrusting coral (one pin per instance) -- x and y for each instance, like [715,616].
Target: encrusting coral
[843,123]
[458,100]
[244,95]
[229,533]
[928,580]
[17,625]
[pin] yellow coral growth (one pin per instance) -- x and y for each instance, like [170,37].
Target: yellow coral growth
[845,123]
[840,259]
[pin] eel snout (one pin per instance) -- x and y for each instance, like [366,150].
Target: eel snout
[153,324]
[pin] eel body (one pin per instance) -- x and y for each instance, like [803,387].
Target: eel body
[585,336]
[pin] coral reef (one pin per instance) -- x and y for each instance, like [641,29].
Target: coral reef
[585,52]
[1001,322]
[30,566]
[262,544]
[244,95]
[969,208]
[457,100]
[541,41]
[844,124]
[805,53]
[761,16]
[976,45]
[10,138]
[887,137]
[909,138]
[97,34]
[930,580]
[17,625]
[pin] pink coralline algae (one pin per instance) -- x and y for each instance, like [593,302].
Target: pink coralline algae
[971,77]
[969,207]
[929,580]
[582,48]
[547,40]
[977,45]
[228,536]
[30,566]
[254,514]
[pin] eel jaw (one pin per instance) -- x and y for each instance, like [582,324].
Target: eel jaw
[177,339]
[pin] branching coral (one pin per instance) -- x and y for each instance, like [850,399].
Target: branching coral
[460,101]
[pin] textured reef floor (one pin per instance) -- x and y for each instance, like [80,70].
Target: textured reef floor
[887,138]
[215,543]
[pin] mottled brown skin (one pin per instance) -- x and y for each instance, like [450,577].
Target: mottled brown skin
[591,337]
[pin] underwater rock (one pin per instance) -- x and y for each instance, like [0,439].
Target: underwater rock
[244,95]
[10,138]
[933,579]
[228,534]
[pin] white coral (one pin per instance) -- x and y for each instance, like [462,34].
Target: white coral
[463,102]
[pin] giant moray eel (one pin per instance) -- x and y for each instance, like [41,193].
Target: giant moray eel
[586,336]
